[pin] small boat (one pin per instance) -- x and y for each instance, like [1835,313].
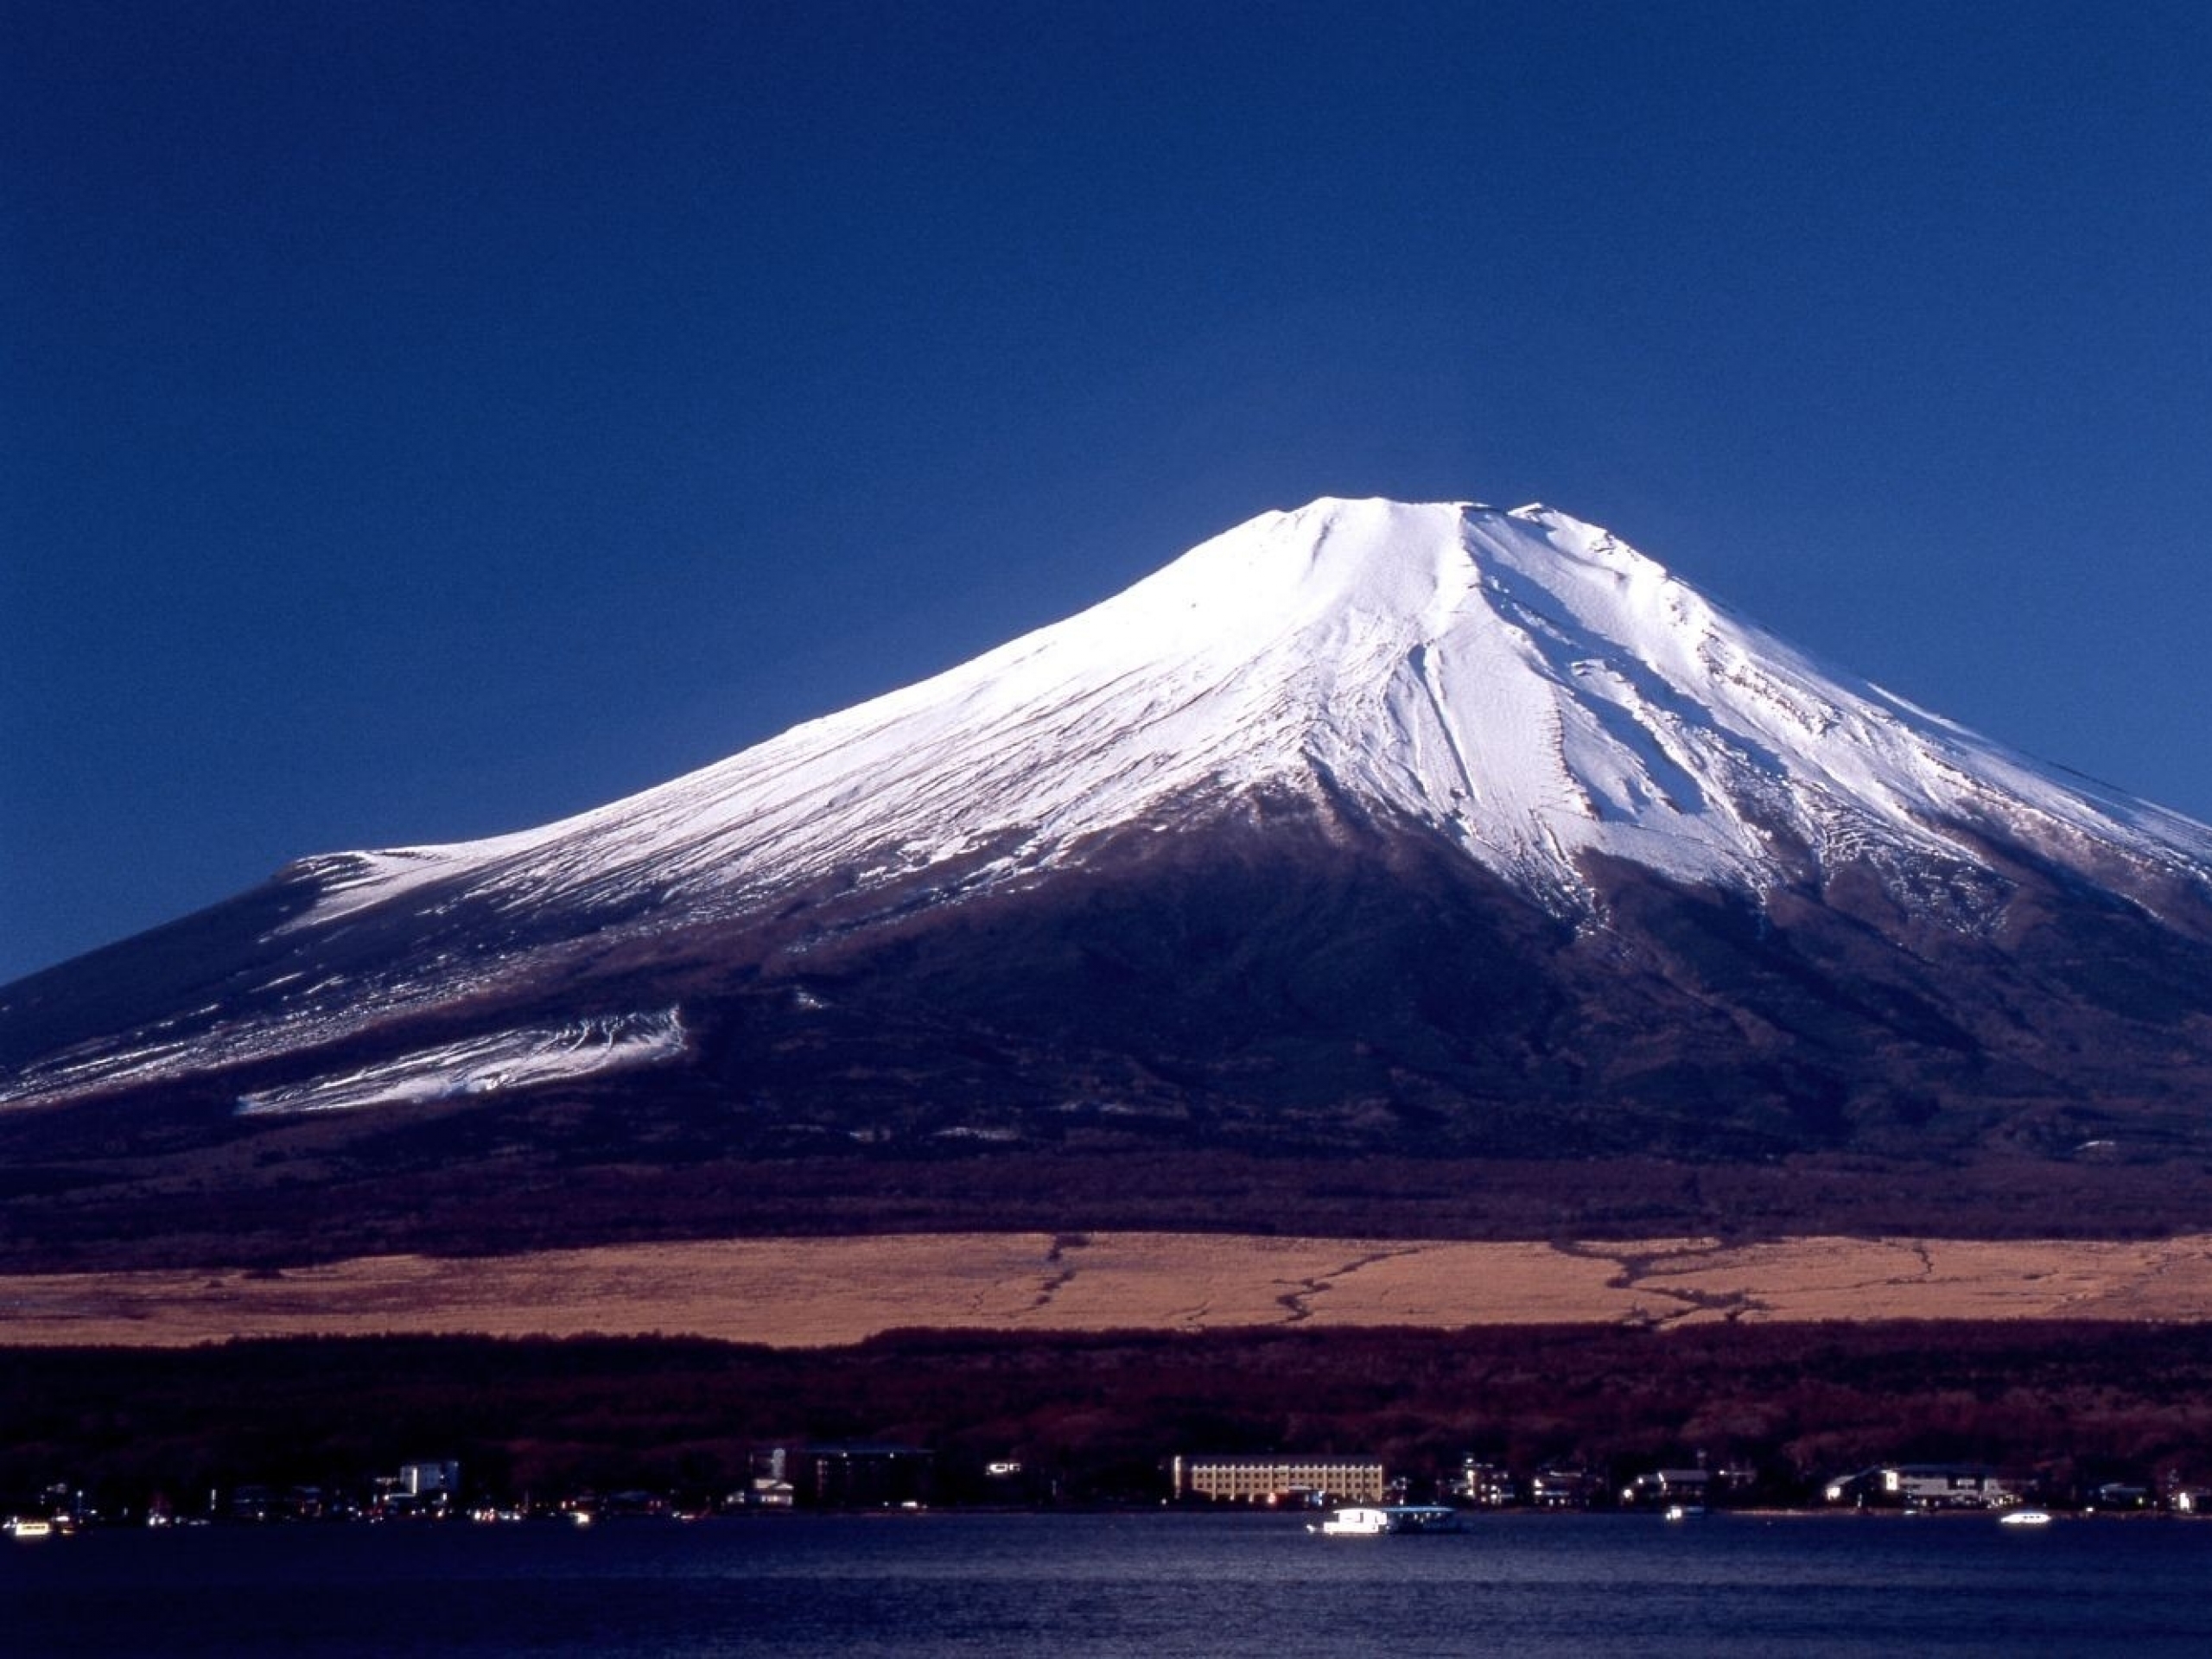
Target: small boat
[2025,1518]
[31,1527]
[1375,1521]
[1684,1511]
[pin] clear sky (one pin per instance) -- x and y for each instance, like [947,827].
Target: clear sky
[419,421]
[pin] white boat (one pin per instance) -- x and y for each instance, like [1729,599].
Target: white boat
[31,1527]
[1372,1521]
[2025,1518]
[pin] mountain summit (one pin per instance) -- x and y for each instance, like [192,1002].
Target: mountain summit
[1433,828]
[1521,683]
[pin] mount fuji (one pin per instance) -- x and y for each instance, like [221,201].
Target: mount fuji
[1367,829]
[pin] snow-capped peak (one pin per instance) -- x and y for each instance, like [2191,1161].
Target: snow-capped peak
[1521,681]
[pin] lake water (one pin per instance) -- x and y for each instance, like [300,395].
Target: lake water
[1150,1584]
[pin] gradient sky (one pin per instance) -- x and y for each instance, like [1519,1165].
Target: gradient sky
[421,420]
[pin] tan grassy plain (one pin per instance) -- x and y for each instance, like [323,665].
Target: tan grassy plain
[795,1293]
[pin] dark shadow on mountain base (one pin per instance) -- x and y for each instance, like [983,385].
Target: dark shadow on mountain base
[441,1198]
[1285,1017]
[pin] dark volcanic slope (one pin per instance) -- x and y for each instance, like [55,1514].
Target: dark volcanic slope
[1314,1014]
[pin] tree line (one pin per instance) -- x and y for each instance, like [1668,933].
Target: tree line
[1093,1419]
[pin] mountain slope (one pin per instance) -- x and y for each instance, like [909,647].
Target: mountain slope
[1433,830]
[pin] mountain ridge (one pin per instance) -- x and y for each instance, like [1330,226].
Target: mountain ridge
[1166,634]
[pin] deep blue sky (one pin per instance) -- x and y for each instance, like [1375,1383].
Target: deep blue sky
[420,421]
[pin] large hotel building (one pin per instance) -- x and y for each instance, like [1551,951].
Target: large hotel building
[1272,1478]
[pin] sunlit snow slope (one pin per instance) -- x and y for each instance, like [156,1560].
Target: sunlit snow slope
[1526,682]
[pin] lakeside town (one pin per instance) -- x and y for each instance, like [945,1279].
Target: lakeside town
[861,1477]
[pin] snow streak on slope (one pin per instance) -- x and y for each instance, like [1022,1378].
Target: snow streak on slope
[503,1060]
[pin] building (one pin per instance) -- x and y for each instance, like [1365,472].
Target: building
[2120,1494]
[1486,1485]
[1665,1486]
[1855,1489]
[869,1476]
[1277,1477]
[422,1479]
[1554,1487]
[1947,1486]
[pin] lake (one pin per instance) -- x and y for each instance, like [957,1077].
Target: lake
[1151,1584]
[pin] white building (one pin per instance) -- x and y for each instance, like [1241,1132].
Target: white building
[1275,1477]
[1948,1486]
[420,1479]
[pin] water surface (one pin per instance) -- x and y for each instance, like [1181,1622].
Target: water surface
[1112,1585]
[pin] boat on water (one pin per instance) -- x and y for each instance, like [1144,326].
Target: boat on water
[1374,1520]
[2025,1518]
[30,1527]
[1684,1511]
